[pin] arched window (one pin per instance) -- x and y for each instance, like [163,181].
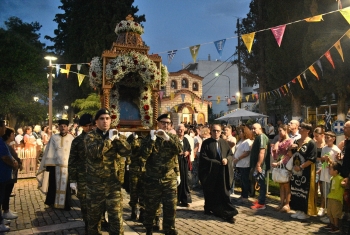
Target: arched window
[195,86]
[184,83]
[173,84]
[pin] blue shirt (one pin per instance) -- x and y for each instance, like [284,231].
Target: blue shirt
[6,170]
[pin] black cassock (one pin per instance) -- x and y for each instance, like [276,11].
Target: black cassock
[183,190]
[216,179]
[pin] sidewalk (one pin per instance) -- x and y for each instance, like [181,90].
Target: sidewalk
[35,218]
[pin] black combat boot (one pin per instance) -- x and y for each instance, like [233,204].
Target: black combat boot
[171,232]
[156,224]
[149,231]
[141,215]
[133,213]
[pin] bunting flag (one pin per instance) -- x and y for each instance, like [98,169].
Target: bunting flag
[171,55]
[220,45]
[176,108]
[78,67]
[194,52]
[183,97]
[172,95]
[210,104]
[338,47]
[285,119]
[168,108]
[161,93]
[64,71]
[192,98]
[247,98]
[218,99]
[300,82]
[278,32]
[68,68]
[285,87]
[201,105]
[346,14]
[329,58]
[57,69]
[209,96]
[313,71]
[81,78]
[248,40]
[282,91]
[317,18]
[318,62]
[294,80]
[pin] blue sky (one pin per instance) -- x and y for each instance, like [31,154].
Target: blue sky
[170,24]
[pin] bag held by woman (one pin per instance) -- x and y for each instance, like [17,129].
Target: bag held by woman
[280,175]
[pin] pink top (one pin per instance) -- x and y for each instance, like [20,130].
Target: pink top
[283,150]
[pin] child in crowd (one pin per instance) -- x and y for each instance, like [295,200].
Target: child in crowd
[335,198]
[329,155]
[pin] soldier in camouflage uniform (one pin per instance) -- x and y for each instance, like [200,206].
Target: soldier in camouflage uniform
[162,177]
[77,164]
[103,150]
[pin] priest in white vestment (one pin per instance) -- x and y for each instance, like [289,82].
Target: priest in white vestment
[52,175]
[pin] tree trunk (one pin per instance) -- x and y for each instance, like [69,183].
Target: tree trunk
[296,107]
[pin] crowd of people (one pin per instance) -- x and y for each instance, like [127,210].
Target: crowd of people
[90,158]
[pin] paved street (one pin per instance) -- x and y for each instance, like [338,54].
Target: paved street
[36,218]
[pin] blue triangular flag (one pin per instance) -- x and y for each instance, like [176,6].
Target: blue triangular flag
[220,45]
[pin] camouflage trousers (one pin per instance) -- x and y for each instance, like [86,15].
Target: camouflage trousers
[137,189]
[81,195]
[157,191]
[102,195]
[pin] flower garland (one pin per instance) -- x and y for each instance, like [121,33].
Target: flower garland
[95,72]
[165,74]
[114,106]
[146,110]
[128,26]
[134,61]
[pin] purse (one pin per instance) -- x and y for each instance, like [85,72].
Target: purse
[280,175]
[289,165]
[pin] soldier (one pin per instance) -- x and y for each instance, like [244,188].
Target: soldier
[77,164]
[161,150]
[103,150]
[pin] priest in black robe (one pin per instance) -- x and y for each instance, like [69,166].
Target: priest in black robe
[183,190]
[216,176]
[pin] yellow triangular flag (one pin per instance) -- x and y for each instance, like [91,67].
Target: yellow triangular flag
[247,98]
[176,108]
[313,71]
[346,13]
[172,94]
[218,99]
[68,69]
[338,47]
[285,87]
[194,52]
[248,40]
[80,78]
[317,18]
[299,80]
[64,71]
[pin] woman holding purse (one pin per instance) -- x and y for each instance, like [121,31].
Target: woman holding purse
[281,156]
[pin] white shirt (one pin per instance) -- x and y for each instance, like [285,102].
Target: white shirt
[271,130]
[241,147]
[333,152]
[232,139]
[295,137]
[198,140]
[18,139]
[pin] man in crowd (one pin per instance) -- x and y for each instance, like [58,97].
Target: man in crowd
[77,165]
[294,129]
[258,166]
[7,164]
[216,175]
[183,190]
[161,150]
[103,147]
[231,140]
[55,161]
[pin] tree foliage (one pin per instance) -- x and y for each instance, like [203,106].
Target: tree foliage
[22,72]
[89,105]
[85,29]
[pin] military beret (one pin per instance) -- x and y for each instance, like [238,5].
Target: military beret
[85,119]
[63,121]
[101,112]
[165,115]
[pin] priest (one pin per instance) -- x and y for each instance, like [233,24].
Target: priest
[52,175]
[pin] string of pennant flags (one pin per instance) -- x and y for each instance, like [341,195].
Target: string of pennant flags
[67,70]
[248,39]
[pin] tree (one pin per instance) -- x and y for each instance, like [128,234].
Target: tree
[89,105]
[22,72]
[85,29]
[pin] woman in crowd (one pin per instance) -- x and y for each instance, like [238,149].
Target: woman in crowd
[8,138]
[242,159]
[29,138]
[303,174]
[279,153]
[197,148]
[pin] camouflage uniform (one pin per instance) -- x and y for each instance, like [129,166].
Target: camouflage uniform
[77,171]
[103,184]
[162,169]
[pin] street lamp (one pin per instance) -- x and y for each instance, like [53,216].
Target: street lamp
[50,59]
[36,99]
[229,83]
[238,97]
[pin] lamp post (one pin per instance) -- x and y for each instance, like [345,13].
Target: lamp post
[238,95]
[229,83]
[36,99]
[50,59]
[66,107]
